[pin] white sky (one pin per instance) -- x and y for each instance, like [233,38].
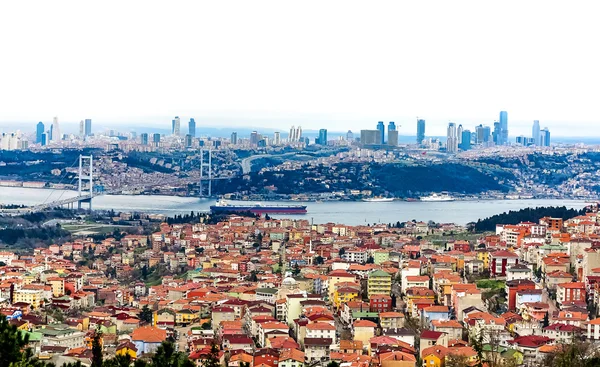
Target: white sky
[335,64]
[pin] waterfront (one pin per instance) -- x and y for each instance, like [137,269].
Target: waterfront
[352,213]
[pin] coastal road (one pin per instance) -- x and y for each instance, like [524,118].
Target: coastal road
[247,162]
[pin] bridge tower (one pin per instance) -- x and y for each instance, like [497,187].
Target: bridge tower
[86,182]
[206,167]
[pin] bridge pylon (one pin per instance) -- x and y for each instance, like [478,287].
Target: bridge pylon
[86,180]
[206,168]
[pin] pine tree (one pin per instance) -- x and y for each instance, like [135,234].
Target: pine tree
[212,360]
[97,358]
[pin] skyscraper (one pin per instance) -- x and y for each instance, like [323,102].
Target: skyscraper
[188,140]
[391,126]
[88,127]
[545,137]
[39,132]
[233,138]
[503,139]
[349,135]
[44,140]
[465,140]
[392,138]
[292,136]
[496,135]
[254,138]
[81,129]
[420,130]
[192,128]
[276,138]
[535,132]
[144,138]
[381,128]
[452,139]
[459,132]
[176,126]
[370,137]
[156,139]
[55,130]
[322,139]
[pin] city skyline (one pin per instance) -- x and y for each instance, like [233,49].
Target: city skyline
[439,76]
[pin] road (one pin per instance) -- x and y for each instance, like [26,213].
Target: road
[247,162]
[546,299]
[182,334]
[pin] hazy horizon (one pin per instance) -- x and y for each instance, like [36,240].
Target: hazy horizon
[271,64]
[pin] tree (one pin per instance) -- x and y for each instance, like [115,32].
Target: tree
[118,361]
[212,360]
[145,272]
[457,360]
[296,269]
[574,353]
[370,260]
[333,364]
[342,251]
[166,356]
[319,260]
[546,322]
[146,315]
[11,343]
[97,357]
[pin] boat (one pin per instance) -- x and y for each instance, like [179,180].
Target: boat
[257,208]
[378,200]
[435,197]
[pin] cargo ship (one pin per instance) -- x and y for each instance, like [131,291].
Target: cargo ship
[258,208]
[378,199]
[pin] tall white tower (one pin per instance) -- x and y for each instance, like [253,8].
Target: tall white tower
[56,135]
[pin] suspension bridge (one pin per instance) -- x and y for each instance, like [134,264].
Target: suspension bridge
[86,190]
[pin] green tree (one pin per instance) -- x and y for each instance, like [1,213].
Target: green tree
[319,260]
[146,315]
[212,360]
[118,361]
[166,356]
[333,364]
[370,260]
[546,321]
[97,357]
[342,251]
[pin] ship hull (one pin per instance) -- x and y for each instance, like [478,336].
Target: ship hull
[258,209]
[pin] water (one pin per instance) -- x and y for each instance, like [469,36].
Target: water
[352,213]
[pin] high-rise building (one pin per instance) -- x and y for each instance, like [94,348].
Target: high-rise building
[503,139]
[459,132]
[144,138]
[535,132]
[392,138]
[39,132]
[465,140]
[81,129]
[88,127]
[391,126]
[381,129]
[292,137]
[276,138]
[233,138]
[497,133]
[452,139]
[254,138]
[349,135]
[192,128]
[545,137]
[420,130]
[176,126]
[322,139]
[188,140]
[44,140]
[370,137]
[156,139]
[55,130]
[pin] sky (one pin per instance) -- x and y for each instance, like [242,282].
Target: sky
[322,64]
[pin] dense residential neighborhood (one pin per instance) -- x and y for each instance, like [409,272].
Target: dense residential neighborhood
[281,292]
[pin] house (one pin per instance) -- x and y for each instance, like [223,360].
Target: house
[147,339]
[530,346]
[434,356]
[321,330]
[514,286]
[569,292]
[528,296]
[219,314]
[363,331]
[127,348]
[391,320]
[316,349]
[291,358]
[452,328]
[519,271]
[380,303]
[433,338]
[379,282]
[593,329]
[435,313]
[501,261]
[561,333]
[397,359]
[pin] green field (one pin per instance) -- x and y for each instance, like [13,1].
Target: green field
[491,284]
